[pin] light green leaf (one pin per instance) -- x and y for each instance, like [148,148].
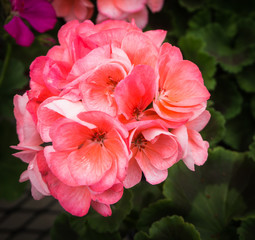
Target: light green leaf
[247,229]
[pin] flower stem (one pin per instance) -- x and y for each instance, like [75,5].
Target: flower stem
[6,62]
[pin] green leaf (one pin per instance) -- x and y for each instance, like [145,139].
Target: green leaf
[192,49]
[252,106]
[247,229]
[227,98]
[155,212]
[112,223]
[215,129]
[182,185]
[142,236]
[246,78]
[173,227]
[240,140]
[213,210]
[14,77]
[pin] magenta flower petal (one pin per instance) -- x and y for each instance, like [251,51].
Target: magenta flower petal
[19,31]
[40,14]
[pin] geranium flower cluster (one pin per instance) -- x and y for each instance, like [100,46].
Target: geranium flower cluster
[106,105]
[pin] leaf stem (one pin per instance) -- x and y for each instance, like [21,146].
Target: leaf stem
[6,62]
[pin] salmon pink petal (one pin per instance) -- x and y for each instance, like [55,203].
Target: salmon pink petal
[110,196]
[140,18]
[68,135]
[136,91]
[134,174]
[89,164]
[75,200]
[19,31]
[26,155]
[103,121]
[58,164]
[156,36]
[83,10]
[140,49]
[61,7]
[107,181]
[36,194]
[200,122]
[130,5]
[152,174]
[101,208]
[155,5]
[109,9]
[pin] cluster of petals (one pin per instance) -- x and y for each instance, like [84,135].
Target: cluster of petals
[107,105]
[73,9]
[39,14]
[127,10]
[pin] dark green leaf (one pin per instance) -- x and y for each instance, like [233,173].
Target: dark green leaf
[142,236]
[213,210]
[252,149]
[112,223]
[173,228]
[215,129]
[155,212]
[246,79]
[192,5]
[247,229]
[227,98]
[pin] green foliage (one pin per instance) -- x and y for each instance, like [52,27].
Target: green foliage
[247,229]
[170,228]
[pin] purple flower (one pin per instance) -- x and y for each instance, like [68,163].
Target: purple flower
[39,13]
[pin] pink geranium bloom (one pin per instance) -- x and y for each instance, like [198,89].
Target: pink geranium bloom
[181,94]
[106,105]
[195,149]
[154,150]
[73,9]
[40,14]
[128,10]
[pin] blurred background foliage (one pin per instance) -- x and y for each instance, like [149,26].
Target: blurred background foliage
[217,201]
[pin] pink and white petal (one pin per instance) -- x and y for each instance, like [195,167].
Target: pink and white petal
[156,36]
[134,174]
[89,164]
[140,49]
[26,155]
[130,5]
[24,176]
[198,147]
[181,134]
[26,127]
[152,174]
[35,193]
[75,200]
[58,164]
[103,209]
[19,31]
[155,5]
[200,122]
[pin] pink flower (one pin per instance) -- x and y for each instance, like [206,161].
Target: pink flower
[73,9]
[106,105]
[128,10]
[40,14]
[154,150]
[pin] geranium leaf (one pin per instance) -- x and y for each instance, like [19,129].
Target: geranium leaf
[247,229]
[155,212]
[213,210]
[246,78]
[112,223]
[215,129]
[227,98]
